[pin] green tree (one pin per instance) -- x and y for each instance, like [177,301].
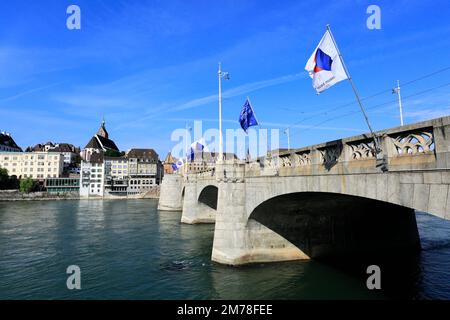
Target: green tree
[13,182]
[114,153]
[4,179]
[27,185]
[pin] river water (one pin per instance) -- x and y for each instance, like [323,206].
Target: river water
[129,250]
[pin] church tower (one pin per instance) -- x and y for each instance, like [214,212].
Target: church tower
[102,130]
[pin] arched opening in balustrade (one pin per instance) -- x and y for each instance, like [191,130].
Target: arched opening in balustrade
[330,225]
[209,196]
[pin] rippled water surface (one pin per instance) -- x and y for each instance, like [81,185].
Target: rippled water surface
[129,250]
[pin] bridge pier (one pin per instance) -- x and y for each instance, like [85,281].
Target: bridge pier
[238,240]
[194,211]
[171,198]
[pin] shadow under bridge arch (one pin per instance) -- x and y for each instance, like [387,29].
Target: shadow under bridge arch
[331,225]
[209,196]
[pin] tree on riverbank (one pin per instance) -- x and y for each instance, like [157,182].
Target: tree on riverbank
[27,185]
[6,181]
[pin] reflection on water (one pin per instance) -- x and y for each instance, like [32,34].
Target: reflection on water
[129,250]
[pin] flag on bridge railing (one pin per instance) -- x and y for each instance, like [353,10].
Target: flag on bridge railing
[247,117]
[325,65]
[197,146]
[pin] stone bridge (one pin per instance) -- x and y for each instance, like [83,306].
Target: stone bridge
[323,201]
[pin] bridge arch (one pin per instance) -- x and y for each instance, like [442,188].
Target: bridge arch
[208,196]
[328,225]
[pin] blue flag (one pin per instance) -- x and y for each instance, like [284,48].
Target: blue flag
[197,146]
[247,117]
[178,165]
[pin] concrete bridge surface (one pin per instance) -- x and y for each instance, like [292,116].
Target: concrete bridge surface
[322,201]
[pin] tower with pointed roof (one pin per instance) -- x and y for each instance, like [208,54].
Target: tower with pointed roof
[102,130]
[99,143]
[168,162]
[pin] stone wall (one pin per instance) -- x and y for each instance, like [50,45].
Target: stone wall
[15,195]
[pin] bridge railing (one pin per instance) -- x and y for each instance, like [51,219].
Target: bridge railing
[420,146]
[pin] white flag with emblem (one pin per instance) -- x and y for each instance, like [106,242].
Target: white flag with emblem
[325,66]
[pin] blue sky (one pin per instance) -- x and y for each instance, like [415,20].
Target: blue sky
[150,66]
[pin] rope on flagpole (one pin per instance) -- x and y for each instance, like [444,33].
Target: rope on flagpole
[351,82]
[378,149]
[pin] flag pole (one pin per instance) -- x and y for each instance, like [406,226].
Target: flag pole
[220,116]
[254,113]
[399,102]
[187,130]
[288,133]
[377,147]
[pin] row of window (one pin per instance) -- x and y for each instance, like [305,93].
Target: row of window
[119,166]
[38,157]
[38,170]
[6,148]
[14,164]
[40,176]
[119,171]
[147,181]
